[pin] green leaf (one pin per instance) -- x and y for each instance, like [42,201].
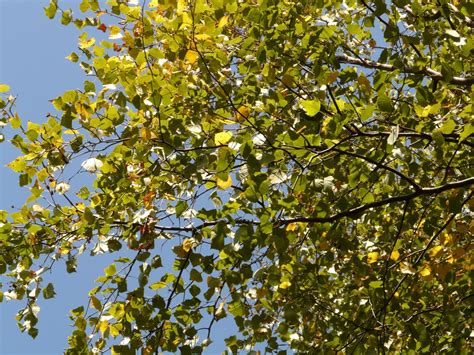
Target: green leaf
[48,291]
[110,270]
[310,107]
[384,103]
[15,121]
[466,132]
[376,284]
[448,127]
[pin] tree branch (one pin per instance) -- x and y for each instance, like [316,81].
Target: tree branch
[355,211]
[344,58]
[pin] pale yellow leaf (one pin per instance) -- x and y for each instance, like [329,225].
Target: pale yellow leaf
[285,284]
[37,208]
[291,227]
[406,268]
[86,43]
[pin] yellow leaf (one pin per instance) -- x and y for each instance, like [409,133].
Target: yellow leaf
[435,251]
[114,32]
[86,43]
[285,284]
[180,7]
[191,56]
[291,227]
[224,184]
[103,325]
[71,131]
[114,331]
[425,271]
[243,112]
[4,88]
[202,37]
[372,257]
[188,244]
[223,21]
[146,133]
[448,239]
[395,255]
[222,138]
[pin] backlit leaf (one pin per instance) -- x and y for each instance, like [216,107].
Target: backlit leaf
[310,107]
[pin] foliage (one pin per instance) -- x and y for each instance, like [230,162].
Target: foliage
[307,163]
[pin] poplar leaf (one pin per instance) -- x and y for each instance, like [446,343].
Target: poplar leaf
[406,268]
[4,88]
[435,251]
[425,271]
[224,184]
[310,107]
[395,255]
[223,21]
[188,244]
[242,113]
[110,270]
[372,257]
[222,138]
[191,56]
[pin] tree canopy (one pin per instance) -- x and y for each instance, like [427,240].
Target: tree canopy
[304,168]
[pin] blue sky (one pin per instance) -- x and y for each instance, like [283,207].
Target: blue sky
[32,61]
[32,51]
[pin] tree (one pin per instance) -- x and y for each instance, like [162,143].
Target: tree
[308,163]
